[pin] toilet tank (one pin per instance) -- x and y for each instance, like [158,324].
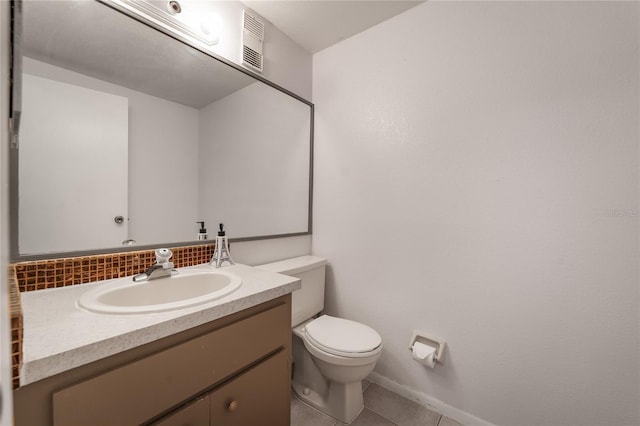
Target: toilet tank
[308,300]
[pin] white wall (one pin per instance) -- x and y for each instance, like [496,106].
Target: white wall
[477,177]
[242,137]
[162,193]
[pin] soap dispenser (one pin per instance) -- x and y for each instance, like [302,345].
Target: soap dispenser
[221,253]
[202,233]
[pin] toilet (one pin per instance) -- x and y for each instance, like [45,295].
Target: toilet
[331,355]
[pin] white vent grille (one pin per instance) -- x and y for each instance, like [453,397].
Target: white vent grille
[252,58]
[252,37]
[253,25]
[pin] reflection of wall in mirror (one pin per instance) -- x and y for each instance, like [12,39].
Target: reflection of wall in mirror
[158,211]
[254,162]
[286,63]
[175,179]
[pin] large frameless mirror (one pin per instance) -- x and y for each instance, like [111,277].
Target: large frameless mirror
[130,136]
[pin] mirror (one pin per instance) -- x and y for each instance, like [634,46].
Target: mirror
[130,134]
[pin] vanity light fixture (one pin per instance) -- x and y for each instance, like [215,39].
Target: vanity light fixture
[177,18]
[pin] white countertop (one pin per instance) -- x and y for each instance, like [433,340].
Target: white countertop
[59,336]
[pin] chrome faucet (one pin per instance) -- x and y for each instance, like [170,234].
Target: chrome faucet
[162,268]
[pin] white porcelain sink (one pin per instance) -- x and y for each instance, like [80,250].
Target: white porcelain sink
[183,289]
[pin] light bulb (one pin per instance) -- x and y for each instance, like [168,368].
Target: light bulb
[211,28]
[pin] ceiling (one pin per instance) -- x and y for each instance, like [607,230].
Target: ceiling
[316,25]
[51,31]
[155,64]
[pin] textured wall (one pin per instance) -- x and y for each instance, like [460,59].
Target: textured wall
[477,178]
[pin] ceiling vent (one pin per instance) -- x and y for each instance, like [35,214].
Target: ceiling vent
[252,37]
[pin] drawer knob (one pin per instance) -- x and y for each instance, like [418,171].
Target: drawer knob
[233,406]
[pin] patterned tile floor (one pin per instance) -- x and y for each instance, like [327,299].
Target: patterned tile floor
[381,408]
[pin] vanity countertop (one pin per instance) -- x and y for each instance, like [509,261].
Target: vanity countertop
[59,336]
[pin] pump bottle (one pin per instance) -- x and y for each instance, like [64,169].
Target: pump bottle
[202,233]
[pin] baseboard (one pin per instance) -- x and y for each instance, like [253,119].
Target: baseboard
[427,401]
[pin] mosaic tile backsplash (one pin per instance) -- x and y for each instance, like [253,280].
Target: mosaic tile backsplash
[52,273]
[15,312]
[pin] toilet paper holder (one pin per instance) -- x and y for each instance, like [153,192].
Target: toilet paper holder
[436,343]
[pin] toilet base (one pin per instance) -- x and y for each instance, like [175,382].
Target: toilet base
[343,402]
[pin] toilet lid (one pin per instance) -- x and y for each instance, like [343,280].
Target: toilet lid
[341,335]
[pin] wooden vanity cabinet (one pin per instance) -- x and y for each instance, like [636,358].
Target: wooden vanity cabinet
[232,371]
[252,398]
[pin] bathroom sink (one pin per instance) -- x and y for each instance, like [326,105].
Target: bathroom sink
[183,289]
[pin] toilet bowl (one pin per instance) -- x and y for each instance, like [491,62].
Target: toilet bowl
[331,356]
[343,352]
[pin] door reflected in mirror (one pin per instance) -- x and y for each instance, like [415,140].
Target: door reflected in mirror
[137,124]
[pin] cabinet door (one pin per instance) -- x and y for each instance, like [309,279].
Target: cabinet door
[193,414]
[258,397]
[175,374]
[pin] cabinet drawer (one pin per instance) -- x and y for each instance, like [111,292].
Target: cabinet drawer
[194,414]
[257,397]
[142,389]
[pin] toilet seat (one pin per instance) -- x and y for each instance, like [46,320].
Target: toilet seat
[342,337]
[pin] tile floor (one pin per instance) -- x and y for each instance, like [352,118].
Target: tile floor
[381,408]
